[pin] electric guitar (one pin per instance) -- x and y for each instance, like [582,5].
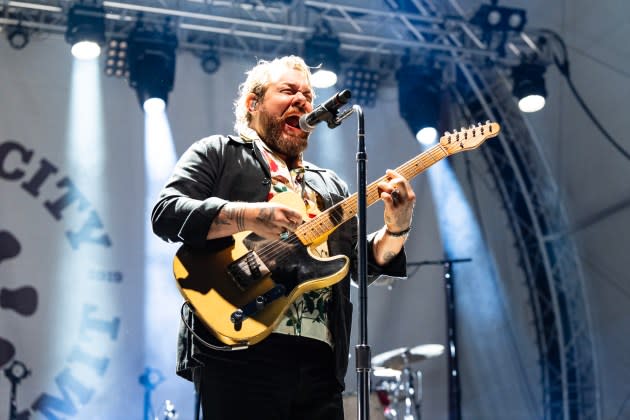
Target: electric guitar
[242,292]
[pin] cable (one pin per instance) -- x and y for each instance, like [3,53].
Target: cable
[563,67]
[201,340]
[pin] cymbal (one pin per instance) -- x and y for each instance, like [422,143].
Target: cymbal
[400,358]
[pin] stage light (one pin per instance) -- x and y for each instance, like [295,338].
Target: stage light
[17,36]
[529,86]
[151,62]
[499,18]
[419,100]
[322,52]
[210,62]
[427,135]
[363,84]
[116,58]
[86,30]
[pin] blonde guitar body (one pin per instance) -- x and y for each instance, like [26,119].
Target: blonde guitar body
[207,280]
[241,292]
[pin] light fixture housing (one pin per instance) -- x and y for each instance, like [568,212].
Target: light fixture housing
[210,61]
[116,58]
[529,86]
[151,64]
[18,36]
[500,18]
[363,83]
[419,100]
[322,52]
[86,30]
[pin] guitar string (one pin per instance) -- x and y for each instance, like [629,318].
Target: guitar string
[427,158]
[269,250]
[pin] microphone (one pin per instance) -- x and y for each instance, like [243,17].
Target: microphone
[325,112]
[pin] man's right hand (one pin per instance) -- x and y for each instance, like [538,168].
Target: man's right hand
[268,220]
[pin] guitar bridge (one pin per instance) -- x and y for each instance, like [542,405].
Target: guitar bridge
[247,270]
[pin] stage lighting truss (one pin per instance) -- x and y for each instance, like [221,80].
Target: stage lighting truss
[363,83]
[373,37]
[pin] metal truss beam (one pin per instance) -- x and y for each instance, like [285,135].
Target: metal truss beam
[549,261]
[373,37]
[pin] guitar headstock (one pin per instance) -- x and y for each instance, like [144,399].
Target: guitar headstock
[469,138]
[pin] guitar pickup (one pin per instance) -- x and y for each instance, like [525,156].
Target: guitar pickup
[247,270]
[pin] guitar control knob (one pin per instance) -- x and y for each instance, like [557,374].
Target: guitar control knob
[237,319]
[260,302]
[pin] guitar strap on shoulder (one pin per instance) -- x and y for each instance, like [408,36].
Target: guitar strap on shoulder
[201,340]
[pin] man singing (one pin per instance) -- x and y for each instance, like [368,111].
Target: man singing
[225,184]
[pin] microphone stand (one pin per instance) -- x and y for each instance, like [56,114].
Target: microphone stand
[454,390]
[362,350]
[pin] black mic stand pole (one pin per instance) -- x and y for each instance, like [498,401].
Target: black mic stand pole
[454,389]
[362,350]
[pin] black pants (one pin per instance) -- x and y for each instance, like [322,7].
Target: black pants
[281,378]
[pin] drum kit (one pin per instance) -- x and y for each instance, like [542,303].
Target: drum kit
[397,384]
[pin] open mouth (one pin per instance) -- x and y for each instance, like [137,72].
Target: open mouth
[293,121]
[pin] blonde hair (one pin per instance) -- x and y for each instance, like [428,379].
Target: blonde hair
[258,79]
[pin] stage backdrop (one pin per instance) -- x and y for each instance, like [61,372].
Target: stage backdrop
[87,301]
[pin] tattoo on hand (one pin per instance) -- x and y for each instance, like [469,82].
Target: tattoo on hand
[265,216]
[230,214]
[240,219]
[224,217]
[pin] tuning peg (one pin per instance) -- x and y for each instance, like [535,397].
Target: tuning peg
[479,124]
[472,126]
[462,129]
[446,133]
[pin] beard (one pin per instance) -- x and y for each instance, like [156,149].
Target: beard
[273,134]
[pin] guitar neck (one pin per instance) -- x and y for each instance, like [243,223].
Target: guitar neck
[329,220]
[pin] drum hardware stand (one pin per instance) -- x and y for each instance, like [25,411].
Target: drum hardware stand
[412,393]
[16,372]
[150,379]
[454,390]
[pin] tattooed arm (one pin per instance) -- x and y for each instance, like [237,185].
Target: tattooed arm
[265,219]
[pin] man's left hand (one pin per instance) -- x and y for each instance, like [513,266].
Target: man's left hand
[399,199]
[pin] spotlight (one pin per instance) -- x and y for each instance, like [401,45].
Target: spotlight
[210,62]
[529,86]
[499,18]
[322,49]
[18,37]
[363,83]
[419,100]
[86,30]
[151,61]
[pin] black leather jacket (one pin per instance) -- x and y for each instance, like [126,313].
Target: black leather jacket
[219,169]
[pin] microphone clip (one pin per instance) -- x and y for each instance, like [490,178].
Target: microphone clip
[327,112]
